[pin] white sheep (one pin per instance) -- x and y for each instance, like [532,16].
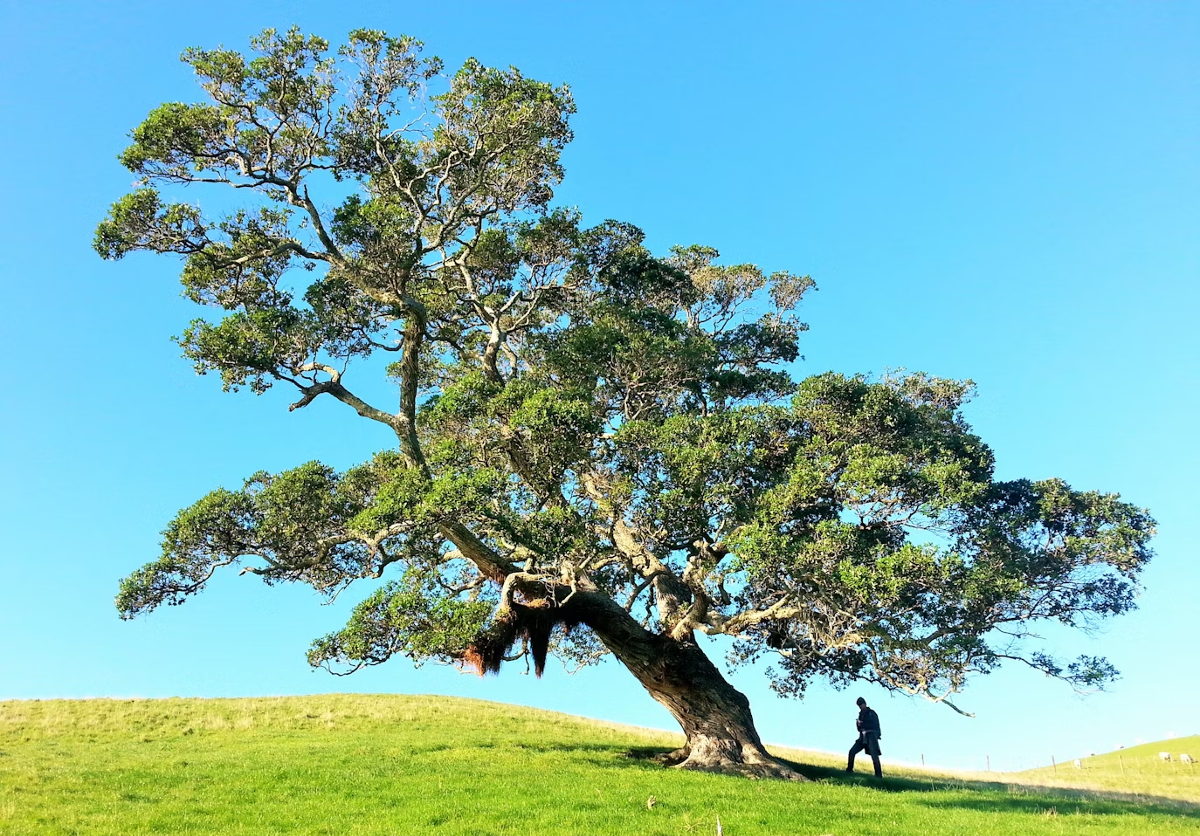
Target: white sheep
[1164,756]
[1078,765]
[1187,759]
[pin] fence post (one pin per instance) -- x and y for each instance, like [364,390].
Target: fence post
[922,760]
[1053,765]
[989,762]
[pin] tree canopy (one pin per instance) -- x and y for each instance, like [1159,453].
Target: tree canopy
[598,449]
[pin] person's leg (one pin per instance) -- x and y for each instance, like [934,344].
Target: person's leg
[878,768]
[854,750]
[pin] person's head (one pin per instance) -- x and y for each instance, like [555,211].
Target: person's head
[860,702]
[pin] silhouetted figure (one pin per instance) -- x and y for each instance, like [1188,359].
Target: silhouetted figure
[868,737]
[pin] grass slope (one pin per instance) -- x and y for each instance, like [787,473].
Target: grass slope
[1136,771]
[352,764]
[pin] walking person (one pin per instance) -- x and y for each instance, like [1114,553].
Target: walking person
[868,737]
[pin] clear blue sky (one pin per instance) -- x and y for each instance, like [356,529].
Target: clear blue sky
[1008,192]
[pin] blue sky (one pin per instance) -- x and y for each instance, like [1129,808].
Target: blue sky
[1006,192]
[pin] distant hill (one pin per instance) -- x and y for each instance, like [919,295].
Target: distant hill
[364,765]
[1137,769]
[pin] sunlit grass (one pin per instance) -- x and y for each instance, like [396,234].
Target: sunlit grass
[351,764]
[1137,771]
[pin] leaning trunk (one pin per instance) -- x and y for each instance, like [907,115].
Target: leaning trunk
[715,716]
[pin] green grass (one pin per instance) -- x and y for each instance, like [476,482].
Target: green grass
[349,764]
[1136,772]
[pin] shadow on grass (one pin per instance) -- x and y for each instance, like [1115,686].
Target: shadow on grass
[982,796]
[594,748]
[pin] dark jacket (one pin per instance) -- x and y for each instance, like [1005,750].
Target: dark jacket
[868,721]
[868,732]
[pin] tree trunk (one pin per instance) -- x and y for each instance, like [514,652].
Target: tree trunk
[715,716]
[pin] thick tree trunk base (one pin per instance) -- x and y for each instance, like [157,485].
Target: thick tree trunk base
[750,765]
[715,716]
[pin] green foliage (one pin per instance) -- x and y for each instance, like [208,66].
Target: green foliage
[140,221]
[309,524]
[573,409]
[559,425]
[462,402]
[177,137]
[247,347]
[377,233]
[520,125]
[694,473]
[392,495]
[198,540]
[411,616]
[266,113]
[888,525]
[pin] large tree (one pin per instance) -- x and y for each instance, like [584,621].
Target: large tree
[598,450]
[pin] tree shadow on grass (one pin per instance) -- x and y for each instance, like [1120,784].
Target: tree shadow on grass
[982,796]
[1001,796]
[593,748]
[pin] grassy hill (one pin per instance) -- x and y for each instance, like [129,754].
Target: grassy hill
[1137,770]
[350,764]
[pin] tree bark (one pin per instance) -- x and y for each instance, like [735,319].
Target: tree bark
[715,716]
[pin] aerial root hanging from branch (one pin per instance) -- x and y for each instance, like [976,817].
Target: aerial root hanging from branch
[532,623]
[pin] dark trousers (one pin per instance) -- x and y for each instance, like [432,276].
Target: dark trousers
[867,744]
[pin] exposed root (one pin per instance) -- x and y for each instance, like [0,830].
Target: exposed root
[674,758]
[754,766]
[756,769]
